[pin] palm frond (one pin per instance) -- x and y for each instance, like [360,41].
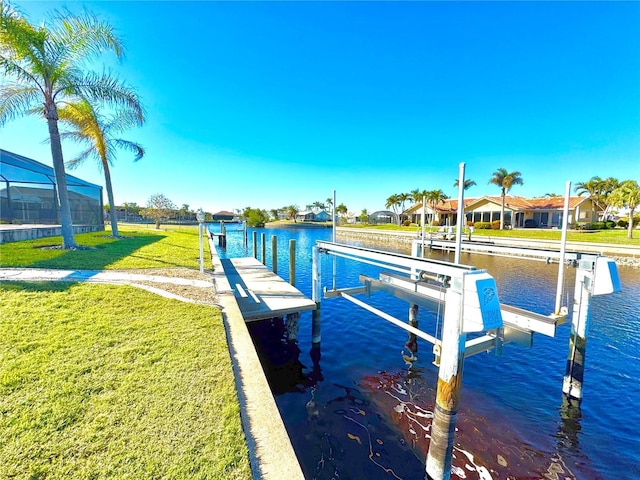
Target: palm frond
[136,148]
[106,88]
[16,100]
[84,37]
[81,157]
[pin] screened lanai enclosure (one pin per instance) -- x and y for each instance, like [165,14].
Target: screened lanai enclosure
[28,194]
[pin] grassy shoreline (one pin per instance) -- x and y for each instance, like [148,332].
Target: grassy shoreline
[110,381]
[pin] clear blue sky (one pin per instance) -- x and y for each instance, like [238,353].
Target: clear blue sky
[269,104]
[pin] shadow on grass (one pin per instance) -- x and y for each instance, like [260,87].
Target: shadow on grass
[95,253]
[18,286]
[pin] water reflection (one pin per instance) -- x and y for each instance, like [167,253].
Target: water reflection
[366,412]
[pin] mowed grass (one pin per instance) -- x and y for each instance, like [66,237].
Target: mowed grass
[139,247]
[616,236]
[113,382]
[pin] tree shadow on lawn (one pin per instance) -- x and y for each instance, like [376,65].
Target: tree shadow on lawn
[95,252]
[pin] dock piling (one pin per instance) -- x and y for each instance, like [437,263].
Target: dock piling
[274,253]
[254,236]
[263,245]
[574,375]
[316,295]
[292,262]
[445,411]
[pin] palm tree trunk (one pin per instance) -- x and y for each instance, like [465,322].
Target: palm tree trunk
[630,227]
[107,181]
[502,212]
[68,240]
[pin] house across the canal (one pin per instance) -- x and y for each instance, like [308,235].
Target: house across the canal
[542,212]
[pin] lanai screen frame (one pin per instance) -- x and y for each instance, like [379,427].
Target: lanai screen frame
[28,194]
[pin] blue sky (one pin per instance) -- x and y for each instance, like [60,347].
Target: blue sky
[268,104]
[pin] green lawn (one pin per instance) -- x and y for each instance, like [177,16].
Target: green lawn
[102,381]
[139,247]
[616,236]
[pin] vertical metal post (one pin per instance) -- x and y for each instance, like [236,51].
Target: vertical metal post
[574,375]
[460,223]
[563,246]
[316,294]
[334,238]
[274,253]
[201,249]
[263,245]
[255,244]
[423,217]
[292,262]
[445,412]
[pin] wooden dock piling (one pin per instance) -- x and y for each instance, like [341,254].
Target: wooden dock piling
[274,253]
[254,237]
[445,412]
[292,262]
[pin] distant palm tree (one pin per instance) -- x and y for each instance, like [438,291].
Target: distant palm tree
[292,211]
[393,202]
[598,189]
[44,66]
[417,195]
[627,195]
[433,198]
[468,183]
[505,180]
[403,197]
[98,133]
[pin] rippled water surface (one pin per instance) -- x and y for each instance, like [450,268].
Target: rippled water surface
[354,409]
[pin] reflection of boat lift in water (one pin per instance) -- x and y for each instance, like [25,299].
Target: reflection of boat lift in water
[470,302]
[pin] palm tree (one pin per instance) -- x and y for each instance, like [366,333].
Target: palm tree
[393,202]
[292,211]
[44,67]
[97,132]
[468,183]
[505,180]
[403,197]
[598,189]
[627,195]
[433,198]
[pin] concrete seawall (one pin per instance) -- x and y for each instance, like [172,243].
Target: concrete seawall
[623,254]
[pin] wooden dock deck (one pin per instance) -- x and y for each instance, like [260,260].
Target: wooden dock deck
[260,293]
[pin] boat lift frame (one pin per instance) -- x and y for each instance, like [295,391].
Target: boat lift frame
[469,299]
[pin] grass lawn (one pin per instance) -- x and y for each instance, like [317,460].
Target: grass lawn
[139,247]
[617,236]
[103,381]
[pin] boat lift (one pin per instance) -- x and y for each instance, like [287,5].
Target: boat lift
[470,302]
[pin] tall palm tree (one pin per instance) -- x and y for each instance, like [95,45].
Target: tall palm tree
[627,195]
[505,180]
[44,66]
[98,132]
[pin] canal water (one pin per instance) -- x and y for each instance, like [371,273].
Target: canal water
[359,407]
